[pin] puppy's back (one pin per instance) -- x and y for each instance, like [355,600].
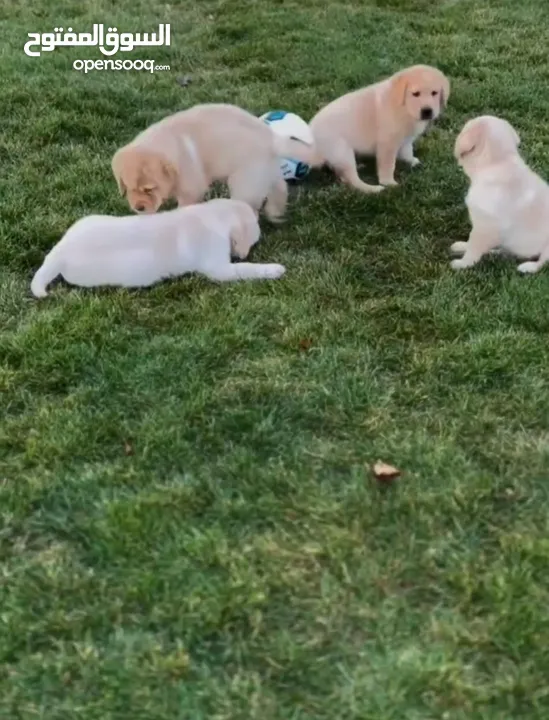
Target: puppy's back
[215,119]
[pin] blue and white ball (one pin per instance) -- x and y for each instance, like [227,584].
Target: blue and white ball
[289,124]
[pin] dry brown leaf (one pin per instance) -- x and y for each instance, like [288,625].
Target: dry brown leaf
[305,344]
[128,448]
[384,472]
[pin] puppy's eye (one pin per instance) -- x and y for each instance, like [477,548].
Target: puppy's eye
[148,190]
[416,93]
[435,92]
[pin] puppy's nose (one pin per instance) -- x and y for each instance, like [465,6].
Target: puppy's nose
[139,208]
[426,113]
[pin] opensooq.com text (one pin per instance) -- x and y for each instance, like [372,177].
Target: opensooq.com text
[89,65]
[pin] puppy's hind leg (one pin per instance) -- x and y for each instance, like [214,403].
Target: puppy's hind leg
[535,266]
[341,158]
[386,156]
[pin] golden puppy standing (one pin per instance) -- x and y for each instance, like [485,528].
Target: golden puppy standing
[383,120]
[508,203]
[183,154]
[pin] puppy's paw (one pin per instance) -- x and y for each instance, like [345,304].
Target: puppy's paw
[390,182]
[414,162]
[276,219]
[377,188]
[458,248]
[273,271]
[528,267]
[460,264]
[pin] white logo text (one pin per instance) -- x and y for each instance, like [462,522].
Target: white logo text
[109,43]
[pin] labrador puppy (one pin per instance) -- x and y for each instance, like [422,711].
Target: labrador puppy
[381,120]
[182,155]
[138,251]
[508,203]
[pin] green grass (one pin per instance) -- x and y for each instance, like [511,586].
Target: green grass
[189,524]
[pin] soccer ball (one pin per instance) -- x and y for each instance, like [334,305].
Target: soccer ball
[290,125]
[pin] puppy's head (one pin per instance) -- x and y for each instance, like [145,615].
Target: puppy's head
[144,177]
[422,91]
[485,140]
[245,231]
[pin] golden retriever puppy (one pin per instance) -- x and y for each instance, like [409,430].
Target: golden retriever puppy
[508,203]
[138,251]
[381,120]
[182,155]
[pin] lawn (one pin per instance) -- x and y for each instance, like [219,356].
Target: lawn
[190,528]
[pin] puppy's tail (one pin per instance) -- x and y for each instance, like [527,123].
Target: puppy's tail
[293,147]
[49,271]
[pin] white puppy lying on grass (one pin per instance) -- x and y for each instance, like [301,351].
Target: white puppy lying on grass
[508,203]
[138,251]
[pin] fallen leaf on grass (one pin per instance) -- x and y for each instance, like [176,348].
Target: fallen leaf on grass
[305,344]
[128,448]
[385,473]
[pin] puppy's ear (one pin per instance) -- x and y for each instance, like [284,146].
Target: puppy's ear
[399,85]
[121,186]
[468,141]
[514,133]
[444,92]
[240,245]
[117,172]
[170,172]
[246,231]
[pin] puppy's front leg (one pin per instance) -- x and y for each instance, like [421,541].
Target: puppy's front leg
[482,240]
[459,248]
[386,156]
[190,191]
[185,199]
[406,153]
[277,200]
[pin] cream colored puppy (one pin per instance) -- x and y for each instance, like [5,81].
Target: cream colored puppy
[135,251]
[182,155]
[508,203]
[382,120]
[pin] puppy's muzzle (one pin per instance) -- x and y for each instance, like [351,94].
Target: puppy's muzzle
[426,113]
[140,208]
